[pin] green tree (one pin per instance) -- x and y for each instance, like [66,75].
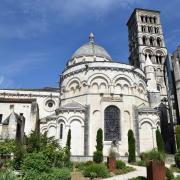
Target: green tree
[159,141]
[68,143]
[99,140]
[178,137]
[98,154]
[68,146]
[131,147]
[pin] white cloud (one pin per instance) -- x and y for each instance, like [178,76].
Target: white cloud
[6,82]
[27,18]
[1,79]
[25,62]
[10,71]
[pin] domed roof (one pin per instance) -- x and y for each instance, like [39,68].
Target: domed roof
[91,49]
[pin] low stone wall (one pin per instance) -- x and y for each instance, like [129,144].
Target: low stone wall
[90,158]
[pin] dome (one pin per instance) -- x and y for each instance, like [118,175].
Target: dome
[91,49]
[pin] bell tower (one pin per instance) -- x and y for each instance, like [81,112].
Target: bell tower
[146,40]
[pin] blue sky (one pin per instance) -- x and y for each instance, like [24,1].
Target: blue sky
[37,37]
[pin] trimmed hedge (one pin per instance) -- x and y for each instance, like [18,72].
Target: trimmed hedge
[131,147]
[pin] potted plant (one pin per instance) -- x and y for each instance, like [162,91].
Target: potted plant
[111,160]
[155,165]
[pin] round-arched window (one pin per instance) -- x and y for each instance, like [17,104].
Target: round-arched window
[112,123]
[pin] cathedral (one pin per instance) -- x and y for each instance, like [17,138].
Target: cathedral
[97,92]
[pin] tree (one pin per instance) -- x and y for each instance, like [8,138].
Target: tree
[98,154]
[159,141]
[68,143]
[131,147]
[178,137]
[99,140]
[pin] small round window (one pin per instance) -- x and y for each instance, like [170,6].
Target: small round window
[50,103]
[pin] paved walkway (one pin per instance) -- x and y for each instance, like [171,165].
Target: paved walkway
[140,171]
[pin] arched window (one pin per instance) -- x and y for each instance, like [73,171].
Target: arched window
[157,59]
[158,87]
[146,19]
[155,20]
[112,123]
[151,40]
[159,42]
[61,131]
[142,18]
[143,28]
[144,40]
[156,29]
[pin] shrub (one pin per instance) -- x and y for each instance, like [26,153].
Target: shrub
[100,170]
[125,170]
[63,174]
[143,156]
[32,175]
[98,157]
[7,146]
[155,155]
[112,153]
[7,175]
[131,147]
[35,162]
[19,153]
[177,159]
[141,163]
[169,174]
[159,141]
[80,166]
[120,164]
[178,136]
[53,174]
[87,163]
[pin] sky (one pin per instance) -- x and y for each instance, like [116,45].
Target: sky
[38,37]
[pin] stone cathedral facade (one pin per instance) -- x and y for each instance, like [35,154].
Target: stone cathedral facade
[97,92]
